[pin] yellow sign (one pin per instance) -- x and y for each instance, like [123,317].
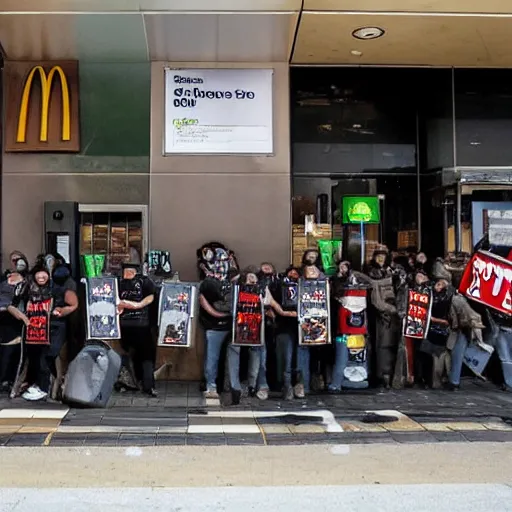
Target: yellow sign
[46,90]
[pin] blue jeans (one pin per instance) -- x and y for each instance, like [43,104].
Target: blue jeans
[258,367]
[285,344]
[458,359]
[340,363]
[213,347]
[504,350]
[303,358]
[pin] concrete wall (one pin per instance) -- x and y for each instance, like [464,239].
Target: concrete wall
[242,201]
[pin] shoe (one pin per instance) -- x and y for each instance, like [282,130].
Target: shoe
[30,392]
[262,394]
[288,393]
[251,392]
[506,388]
[152,393]
[34,394]
[211,394]
[452,387]
[236,395]
[333,391]
[298,391]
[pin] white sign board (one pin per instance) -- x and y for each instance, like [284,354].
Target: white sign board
[500,227]
[218,111]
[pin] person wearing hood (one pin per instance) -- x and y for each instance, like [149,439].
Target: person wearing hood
[442,321]
[355,307]
[42,358]
[14,257]
[11,328]
[287,339]
[136,294]
[258,379]
[386,322]
[215,308]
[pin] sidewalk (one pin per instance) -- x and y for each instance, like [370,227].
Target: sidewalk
[180,415]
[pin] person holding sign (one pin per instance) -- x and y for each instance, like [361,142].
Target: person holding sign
[137,293]
[47,304]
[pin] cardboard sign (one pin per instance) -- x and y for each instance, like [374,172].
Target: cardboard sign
[487,279]
[476,358]
[101,308]
[176,309]
[38,330]
[419,307]
[290,297]
[248,317]
[313,312]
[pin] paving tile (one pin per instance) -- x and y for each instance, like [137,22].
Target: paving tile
[449,437]
[17,413]
[359,426]
[307,429]
[466,426]
[241,429]
[362,438]
[4,439]
[402,424]
[176,401]
[276,429]
[413,437]
[205,429]
[69,440]
[48,414]
[196,402]
[101,440]
[137,440]
[27,440]
[9,429]
[170,440]
[437,427]
[488,436]
[202,419]
[35,430]
[498,425]
[241,420]
[203,440]
[246,440]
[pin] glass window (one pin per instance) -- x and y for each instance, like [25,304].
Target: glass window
[483,113]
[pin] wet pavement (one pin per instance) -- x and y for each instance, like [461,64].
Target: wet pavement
[182,416]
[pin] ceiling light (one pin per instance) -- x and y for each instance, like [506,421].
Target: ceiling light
[368,33]
[356,53]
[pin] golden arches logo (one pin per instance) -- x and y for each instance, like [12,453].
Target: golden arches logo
[46,91]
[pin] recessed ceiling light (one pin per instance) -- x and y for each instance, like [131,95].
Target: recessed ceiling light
[368,33]
[356,53]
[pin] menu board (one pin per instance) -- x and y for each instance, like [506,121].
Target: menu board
[101,308]
[37,332]
[176,310]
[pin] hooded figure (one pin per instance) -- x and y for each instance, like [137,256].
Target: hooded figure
[137,293]
[387,326]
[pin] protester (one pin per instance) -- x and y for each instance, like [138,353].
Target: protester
[42,357]
[249,278]
[136,293]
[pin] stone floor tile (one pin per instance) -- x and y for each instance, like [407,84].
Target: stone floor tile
[359,426]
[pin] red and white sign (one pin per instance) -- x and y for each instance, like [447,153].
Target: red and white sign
[417,322]
[487,279]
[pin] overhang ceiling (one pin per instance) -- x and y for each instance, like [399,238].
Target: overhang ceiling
[440,6]
[417,32]
[408,40]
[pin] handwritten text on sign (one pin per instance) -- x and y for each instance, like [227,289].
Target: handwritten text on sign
[38,330]
[487,279]
[218,111]
[418,314]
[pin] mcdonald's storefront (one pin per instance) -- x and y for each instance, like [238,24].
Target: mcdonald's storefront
[91,162]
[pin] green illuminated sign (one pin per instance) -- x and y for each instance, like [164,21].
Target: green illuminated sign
[357,209]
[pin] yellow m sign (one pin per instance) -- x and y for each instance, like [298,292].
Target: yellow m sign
[46,91]
[42,107]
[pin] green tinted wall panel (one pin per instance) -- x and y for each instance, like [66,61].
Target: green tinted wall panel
[115,108]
